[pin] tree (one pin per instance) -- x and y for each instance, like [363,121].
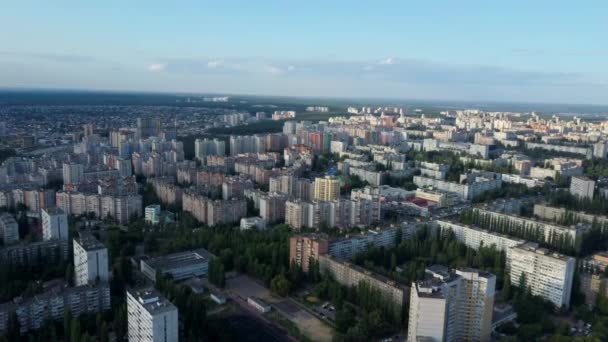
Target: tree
[344,319]
[103,333]
[506,288]
[67,321]
[13,327]
[75,330]
[280,285]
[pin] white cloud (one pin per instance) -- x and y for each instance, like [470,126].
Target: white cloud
[388,61]
[273,70]
[216,63]
[157,67]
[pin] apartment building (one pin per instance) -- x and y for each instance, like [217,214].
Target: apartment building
[548,230]
[272,207]
[120,208]
[305,248]
[35,253]
[582,187]
[34,311]
[166,190]
[90,260]
[327,188]
[342,213]
[465,191]
[208,147]
[451,305]
[349,275]
[548,274]
[9,229]
[475,237]
[151,317]
[212,212]
[54,224]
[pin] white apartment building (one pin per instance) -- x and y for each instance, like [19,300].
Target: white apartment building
[464,191]
[151,317]
[9,229]
[90,261]
[474,237]
[152,214]
[582,187]
[548,229]
[451,306]
[548,274]
[54,224]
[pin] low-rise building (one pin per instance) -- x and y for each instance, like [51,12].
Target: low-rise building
[180,266]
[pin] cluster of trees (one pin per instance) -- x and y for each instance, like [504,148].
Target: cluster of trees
[562,198]
[191,308]
[216,273]
[426,248]
[597,167]
[362,313]
[352,182]
[26,280]
[562,243]
[508,190]
[261,254]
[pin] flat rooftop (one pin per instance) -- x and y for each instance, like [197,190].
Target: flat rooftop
[178,260]
[54,211]
[89,243]
[151,300]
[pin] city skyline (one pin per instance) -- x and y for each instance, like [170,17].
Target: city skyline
[540,52]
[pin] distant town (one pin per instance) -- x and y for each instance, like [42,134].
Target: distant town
[218,217]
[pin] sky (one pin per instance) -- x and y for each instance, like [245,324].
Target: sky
[523,51]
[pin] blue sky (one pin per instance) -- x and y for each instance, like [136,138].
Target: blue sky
[530,51]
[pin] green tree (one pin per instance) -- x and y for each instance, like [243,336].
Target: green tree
[13,327]
[280,285]
[75,330]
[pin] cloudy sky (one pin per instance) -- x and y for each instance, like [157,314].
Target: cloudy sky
[530,51]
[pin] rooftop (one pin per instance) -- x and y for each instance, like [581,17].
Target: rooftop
[54,211]
[152,300]
[89,243]
[180,259]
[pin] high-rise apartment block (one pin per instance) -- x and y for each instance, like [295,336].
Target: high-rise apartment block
[151,317]
[73,173]
[451,305]
[582,187]
[147,127]
[327,188]
[54,224]
[208,147]
[90,260]
[547,274]
[305,248]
